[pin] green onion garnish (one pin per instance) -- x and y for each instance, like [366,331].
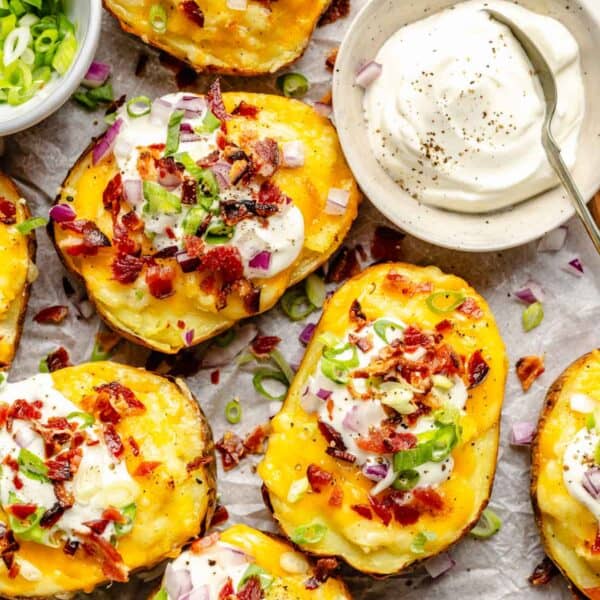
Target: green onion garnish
[265,578]
[445,301]
[488,525]
[312,533]
[129,513]
[139,106]
[218,233]
[338,355]
[193,220]
[173,132]
[159,200]
[262,374]
[283,364]
[420,540]
[381,327]
[532,316]
[293,85]
[209,123]
[27,226]
[233,412]
[334,372]
[86,419]
[65,53]
[296,305]
[158,18]
[315,290]
[407,480]
[32,465]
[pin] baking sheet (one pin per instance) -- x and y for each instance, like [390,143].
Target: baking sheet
[497,568]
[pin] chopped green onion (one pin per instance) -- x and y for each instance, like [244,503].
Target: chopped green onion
[43,366]
[398,397]
[406,480]
[334,371]
[162,595]
[32,465]
[209,123]
[597,454]
[27,226]
[207,182]
[298,489]
[420,540]
[29,530]
[129,513]
[218,233]
[85,101]
[139,106]
[445,301]
[433,446]
[65,53]
[315,290]
[312,533]
[193,219]
[260,375]
[87,419]
[590,422]
[533,316]
[46,40]
[488,525]
[103,93]
[190,165]
[293,85]
[233,412]
[159,200]
[335,355]
[98,353]
[173,132]
[296,305]
[381,327]
[280,361]
[225,338]
[265,578]
[158,18]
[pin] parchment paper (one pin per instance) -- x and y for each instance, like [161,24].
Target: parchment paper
[497,568]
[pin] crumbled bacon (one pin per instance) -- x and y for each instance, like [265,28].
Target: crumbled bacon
[198,462]
[52,515]
[22,511]
[132,222]
[444,326]
[363,510]
[382,509]
[232,450]
[113,440]
[59,359]
[215,101]
[595,546]
[8,212]
[470,308]
[357,316]
[427,499]
[224,260]
[415,338]
[318,478]
[338,9]
[206,542]
[122,241]
[194,246]
[386,440]
[477,368]
[220,516]
[543,572]
[322,571]
[63,495]
[254,442]
[341,455]
[209,160]
[337,497]
[70,547]
[146,467]
[227,591]
[112,563]
[98,526]
[215,376]
[399,283]
[263,345]
[269,198]
[189,191]
[113,195]
[333,437]
[52,315]
[93,238]
[365,344]
[22,410]
[252,590]
[529,368]
[343,266]
[59,470]
[193,12]
[267,157]
[159,279]
[135,448]
[126,268]
[331,58]
[244,109]
[115,401]
[386,244]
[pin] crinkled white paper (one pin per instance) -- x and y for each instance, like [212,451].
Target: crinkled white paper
[497,568]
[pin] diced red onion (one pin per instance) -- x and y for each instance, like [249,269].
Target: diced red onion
[24,437]
[582,403]
[309,401]
[192,106]
[293,154]
[323,394]
[439,564]
[323,109]
[591,482]
[351,420]
[553,241]
[161,111]
[219,357]
[575,267]
[106,142]
[337,201]
[384,484]
[307,333]
[187,133]
[237,4]
[201,592]
[97,75]
[522,433]
[530,293]
[375,472]
[61,213]
[132,188]
[177,582]
[368,73]
[261,261]
[188,337]
[221,171]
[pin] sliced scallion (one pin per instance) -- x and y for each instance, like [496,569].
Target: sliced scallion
[420,541]
[209,124]
[533,316]
[233,412]
[173,132]
[158,18]
[263,374]
[382,326]
[139,106]
[159,200]
[296,305]
[488,525]
[312,533]
[445,301]
[280,361]
[27,226]
[293,85]
[315,290]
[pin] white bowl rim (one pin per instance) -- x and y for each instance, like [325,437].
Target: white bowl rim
[410,212]
[43,108]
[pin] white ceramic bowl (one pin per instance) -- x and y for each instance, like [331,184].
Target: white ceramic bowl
[87,16]
[522,223]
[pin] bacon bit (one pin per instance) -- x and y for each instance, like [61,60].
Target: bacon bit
[59,359]
[206,542]
[477,368]
[224,260]
[25,411]
[113,441]
[330,406]
[365,344]
[193,12]
[14,570]
[595,547]
[159,279]
[338,9]
[529,368]
[227,591]
[331,58]
[146,467]
[269,197]
[132,222]
[341,455]
[333,437]
[470,308]
[322,571]
[194,246]
[363,510]
[52,516]
[113,195]
[114,514]
[135,449]
[543,572]
[386,440]
[215,376]
[215,101]
[189,191]
[263,345]
[10,462]
[59,470]
[381,509]
[97,525]
[8,212]
[387,244]
[70,547]
[243,109]
[343,266]
[414,337]
[115,401]
[18,482]
[337,497]
[399,283]
[427,499]
[112,563]
[232,450]
[122,242]
[357,316]
[3,413]
[252,590]
[93,238]
[220,516]
[318,478]
[267,157]
[254,442]
[405,514]
[126,268]
[167,167]
[22,511]
[53,315]
[444,326]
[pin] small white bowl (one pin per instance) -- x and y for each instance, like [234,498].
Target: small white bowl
[522,223]
[87,16]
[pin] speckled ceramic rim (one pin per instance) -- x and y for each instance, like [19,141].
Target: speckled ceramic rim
[41,108]
[518,225]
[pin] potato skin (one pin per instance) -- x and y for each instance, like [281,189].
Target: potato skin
[176,404]
[483,435]
[275,57]
[308,185]
[12,327]
[552,399]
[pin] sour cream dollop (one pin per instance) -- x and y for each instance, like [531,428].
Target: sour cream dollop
[455,117]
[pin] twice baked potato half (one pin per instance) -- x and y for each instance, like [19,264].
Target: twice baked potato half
[17,253]
[202,211]
[565,474]
[384,452]
[249,563]
[106,469]
[261,38]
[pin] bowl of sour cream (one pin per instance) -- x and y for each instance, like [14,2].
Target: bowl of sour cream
[442,125]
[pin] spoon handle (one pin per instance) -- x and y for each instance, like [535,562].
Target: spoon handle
[561,169]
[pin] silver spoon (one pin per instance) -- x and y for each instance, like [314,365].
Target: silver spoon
[552,149]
